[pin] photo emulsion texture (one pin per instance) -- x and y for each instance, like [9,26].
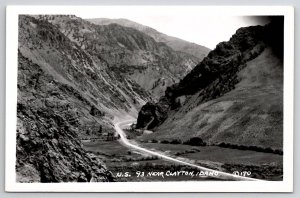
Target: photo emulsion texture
[113,100]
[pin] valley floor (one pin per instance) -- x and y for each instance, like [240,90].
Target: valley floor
[129,164]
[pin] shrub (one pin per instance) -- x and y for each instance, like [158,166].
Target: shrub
[165,142]
[195,141]
[96,112]
[251,148]
[154,141]
[175,141]
[268,150]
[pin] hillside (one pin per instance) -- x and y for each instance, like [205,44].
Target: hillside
[175,43]
[65,95]
[234,96]
[74,78]
[128,52]
[48,144]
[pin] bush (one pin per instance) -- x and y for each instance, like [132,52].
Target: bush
[96,112]
[279,152]
[250,148]
[195,141]
[268,150]
[154,141]
[165,142]
[176,142]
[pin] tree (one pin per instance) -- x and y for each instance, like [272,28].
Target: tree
[100,129]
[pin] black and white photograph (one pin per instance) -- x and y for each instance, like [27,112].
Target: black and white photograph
[153,96]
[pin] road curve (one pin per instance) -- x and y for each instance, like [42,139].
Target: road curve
[220,175]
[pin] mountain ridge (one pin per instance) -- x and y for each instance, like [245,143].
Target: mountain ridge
[173,42]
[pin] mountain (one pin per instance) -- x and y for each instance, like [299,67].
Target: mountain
[74,78]
[65,95]
[128,52]
[234,96]
[175,43]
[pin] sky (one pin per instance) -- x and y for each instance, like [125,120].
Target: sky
[203,29]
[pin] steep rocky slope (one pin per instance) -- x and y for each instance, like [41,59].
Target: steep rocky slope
[128,52]
[173,42]
[48,145]
[65,94]
[235,95]
[91,77]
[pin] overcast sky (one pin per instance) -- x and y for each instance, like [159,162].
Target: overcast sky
[207,30]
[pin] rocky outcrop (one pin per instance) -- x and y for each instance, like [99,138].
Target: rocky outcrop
[48,143]
[151,115]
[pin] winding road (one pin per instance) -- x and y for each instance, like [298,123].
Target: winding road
[218,174]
